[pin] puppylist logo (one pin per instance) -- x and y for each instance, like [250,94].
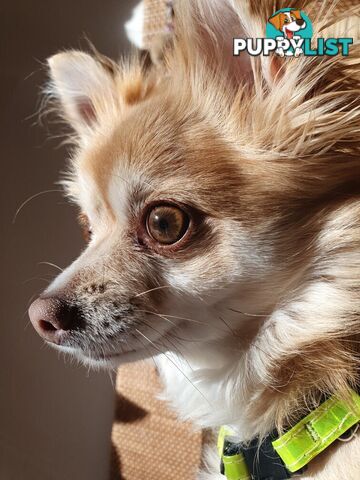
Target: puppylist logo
[288,33]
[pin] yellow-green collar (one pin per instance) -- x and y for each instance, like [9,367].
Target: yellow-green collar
[282,457]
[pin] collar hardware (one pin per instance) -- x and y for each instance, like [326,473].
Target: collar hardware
[287,456]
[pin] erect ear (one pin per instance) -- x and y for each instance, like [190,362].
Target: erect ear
[204,33]
[276,20]
[84,86]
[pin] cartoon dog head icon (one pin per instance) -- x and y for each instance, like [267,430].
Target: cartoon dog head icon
[288,22]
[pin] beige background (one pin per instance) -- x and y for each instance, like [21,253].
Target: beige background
[55,418]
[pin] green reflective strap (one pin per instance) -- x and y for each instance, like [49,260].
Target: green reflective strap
[235,467]
[317,431]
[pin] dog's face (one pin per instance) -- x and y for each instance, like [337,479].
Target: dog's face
[288,22]
[176,221]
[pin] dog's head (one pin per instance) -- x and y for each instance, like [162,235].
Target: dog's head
[209,197]
[288,22]
[157,183]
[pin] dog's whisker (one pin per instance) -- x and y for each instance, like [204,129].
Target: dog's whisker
[32,279]
[51,265]
[158,315]
[259,315]
[175,365]
[175,317]
[179,318]
[148,351]
[166,337]
[189,340]
[32,298]
[167,318]
[27,325]
[228,326]
[28,200]
[151,290]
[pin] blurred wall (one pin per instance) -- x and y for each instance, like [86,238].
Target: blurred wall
[55,417]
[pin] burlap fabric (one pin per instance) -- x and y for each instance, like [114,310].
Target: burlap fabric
[149,443]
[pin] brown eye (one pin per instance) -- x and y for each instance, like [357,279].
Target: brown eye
[85,227]
[286,20]
[167,224]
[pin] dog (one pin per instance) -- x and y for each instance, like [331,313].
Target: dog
[219,199]
[288,23]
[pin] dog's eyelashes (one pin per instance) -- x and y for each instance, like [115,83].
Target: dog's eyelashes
[167,224]
[85,227]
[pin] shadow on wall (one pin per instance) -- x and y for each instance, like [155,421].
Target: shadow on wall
[126,412]
[55,418]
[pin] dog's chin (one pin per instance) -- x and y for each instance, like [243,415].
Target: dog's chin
[109,360]
[105,361]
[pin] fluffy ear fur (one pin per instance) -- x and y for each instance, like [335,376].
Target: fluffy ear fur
[92,90]
[84,86]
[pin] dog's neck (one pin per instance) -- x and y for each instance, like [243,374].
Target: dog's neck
[256,389]
[215,393]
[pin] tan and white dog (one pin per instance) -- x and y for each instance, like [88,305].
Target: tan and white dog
[220,198]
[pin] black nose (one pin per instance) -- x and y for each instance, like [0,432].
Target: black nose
[52,317]
[300,22]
